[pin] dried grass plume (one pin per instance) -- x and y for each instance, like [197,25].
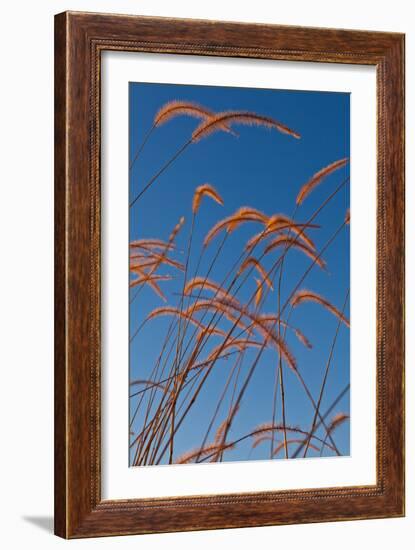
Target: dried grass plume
[302,296]
[211,125]
[318,178]
[205,190]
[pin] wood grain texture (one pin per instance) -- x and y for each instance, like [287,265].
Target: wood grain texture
[79,40]
[60,277]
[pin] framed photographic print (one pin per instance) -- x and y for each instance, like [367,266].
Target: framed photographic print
[229,281]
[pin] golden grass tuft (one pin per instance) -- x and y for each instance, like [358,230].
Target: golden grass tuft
[302,296]
[227,307]
[278,223]
[303,338]
[151,280]
[241,344]
[205,190]
[187,457]
[215,306]
[184,315]
[347,217]
[260,439]
[337,421]
[176,229]
[281,445]
[153,258]
[246,213]
[253,261]
[176,108]
[230,223]
[286,241]
[273,319]
[204,283]
[150,384]
[150,244]
[213,124]
[258,292]
[146,278]
[318,177]
[269,428]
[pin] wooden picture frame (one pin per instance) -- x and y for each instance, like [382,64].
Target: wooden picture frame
[79,40]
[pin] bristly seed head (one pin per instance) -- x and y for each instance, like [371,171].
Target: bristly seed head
[205,190]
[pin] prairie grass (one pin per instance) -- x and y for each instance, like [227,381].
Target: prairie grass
[243,319]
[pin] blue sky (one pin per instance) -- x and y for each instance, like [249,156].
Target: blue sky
[264,169]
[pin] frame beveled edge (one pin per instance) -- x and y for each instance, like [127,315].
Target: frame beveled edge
[79,40]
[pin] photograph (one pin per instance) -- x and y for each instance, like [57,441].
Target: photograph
[239,274]
[212,349]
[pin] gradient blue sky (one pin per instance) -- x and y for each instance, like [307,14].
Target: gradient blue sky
[263,169]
